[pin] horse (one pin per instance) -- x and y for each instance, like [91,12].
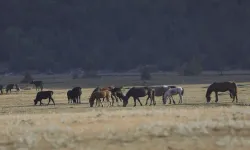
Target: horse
[97,95]
[137,92]
[161,89]
[44,95]
[173,91]
[1,88]
[38,84]
[222,87]
[116,92]
[76,93]
[9,87]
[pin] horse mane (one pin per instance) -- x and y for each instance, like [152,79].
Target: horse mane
[209,90]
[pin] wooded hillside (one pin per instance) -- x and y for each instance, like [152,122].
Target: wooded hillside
[122,34]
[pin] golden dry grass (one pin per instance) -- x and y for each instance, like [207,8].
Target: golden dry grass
[192,125]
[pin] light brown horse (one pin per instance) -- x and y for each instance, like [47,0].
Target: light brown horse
[222,87]
[116,92]
[97,95]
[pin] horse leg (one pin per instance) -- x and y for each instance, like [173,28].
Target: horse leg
[96,103]
[180,101]
[173,99]
[49,101]
[53,101]
[134,101]
[236,96]
[139,101]
[216,97]
[113,100]
[147,100]
[41,102]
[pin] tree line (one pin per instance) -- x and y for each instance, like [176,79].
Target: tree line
[120,35]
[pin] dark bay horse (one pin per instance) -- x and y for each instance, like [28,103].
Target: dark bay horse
[137,92]
[1,88]
[9,87]
[222,87]
[160,90]
[38,84]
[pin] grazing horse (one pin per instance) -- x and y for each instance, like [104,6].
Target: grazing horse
[1,88]
[9,87]
[97,95]
[38,84]
[137,92]
[116,92]
[44,95]
[222,87]
[173,91]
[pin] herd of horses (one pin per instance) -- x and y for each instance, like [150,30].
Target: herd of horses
[115,94]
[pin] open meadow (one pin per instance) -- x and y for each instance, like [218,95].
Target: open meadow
[192,125]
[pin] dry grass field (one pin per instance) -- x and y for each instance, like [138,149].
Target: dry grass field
[192,125]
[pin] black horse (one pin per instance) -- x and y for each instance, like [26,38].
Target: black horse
[44,95]
[38,84]
[75,94]
[116,92]
[222,87]
[9,87]
[1,88]
[137,92]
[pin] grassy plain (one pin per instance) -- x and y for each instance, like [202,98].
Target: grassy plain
[192,125]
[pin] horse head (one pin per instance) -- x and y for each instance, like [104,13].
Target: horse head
[125,101]
[91,101]
[208,99]
[35,101]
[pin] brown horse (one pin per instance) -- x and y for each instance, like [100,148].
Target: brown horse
[116,92]
[97,95]
[222,87]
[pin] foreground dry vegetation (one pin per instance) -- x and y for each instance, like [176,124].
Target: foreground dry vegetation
[193,125]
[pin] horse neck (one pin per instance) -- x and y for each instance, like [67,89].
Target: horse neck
[208,93]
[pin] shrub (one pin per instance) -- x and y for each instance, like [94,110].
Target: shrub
[145,74]
[27,78]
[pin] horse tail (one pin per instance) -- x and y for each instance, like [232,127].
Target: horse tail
[153,96]
[182,92]
[235,86]
[235,89]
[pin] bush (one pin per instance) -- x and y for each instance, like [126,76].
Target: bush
[191,68]
[75,76]
[27,78]
[91,74]
[145,74]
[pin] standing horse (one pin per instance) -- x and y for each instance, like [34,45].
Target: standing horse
[117,93]
[173,91]
[160,90]
[1,88]
[222,87]
[97,95]
[9,87]
[137,92]
[38,84]
[76,93]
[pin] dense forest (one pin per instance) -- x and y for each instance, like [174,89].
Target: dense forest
[122,34]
